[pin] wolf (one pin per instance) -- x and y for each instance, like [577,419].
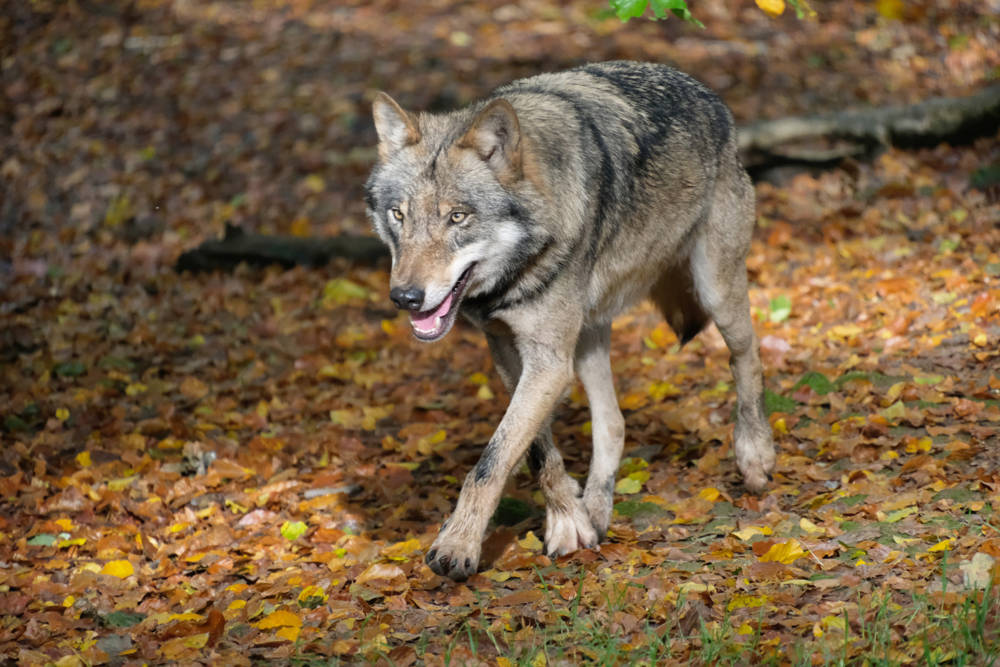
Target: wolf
[539,214]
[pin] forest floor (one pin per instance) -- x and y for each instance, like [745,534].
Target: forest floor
[248,467]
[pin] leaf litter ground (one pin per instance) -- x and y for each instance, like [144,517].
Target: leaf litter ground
[249,467]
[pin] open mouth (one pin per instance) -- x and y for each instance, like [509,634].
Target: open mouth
[430,325]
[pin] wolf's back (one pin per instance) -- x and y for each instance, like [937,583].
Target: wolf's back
[630,152]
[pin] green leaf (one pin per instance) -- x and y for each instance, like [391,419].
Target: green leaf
[678,7]
[628,486]
[900,514]
[341,290]
[69,369]
[629,9]
[123,619]
[781,308]
[42,540]
[777,403]
[512,511]
[986,177]
[958,494]
[637,508]
[817,381]
[293,530]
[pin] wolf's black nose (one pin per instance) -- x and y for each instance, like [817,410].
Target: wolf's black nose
[409,298]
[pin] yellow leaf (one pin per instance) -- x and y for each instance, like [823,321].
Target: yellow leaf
[808,526]
[539,660]
[746,601]
[750,531]
[68,602]
[772,7]
[891,9]
[660,390]
[696,587]
[484,393]
[943,545]
[496,575]
[62,414]
[781,426]
[178,527]
[530,542]
[135,389]
[844,331]
[402,550]
[83,458]
[312,595]
[121,483]
[186,616]
[504,662]
[709,493]
[426,444]
[300,227]
[279,619]
[314,183]
[980,339]
[65,524]
[291,633]
[784,552]
[236,604]
[479,378]
[118,568]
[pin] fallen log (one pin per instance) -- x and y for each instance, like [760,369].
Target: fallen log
[826,138]
[262,249]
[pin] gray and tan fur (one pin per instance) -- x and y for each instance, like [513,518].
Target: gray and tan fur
[543,212]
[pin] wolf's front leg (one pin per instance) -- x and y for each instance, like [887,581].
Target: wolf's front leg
[546,374]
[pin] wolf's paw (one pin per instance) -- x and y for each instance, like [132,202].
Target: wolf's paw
[599,505]
[754,457]
[453,557]
[568,530]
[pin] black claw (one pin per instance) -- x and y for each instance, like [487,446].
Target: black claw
[468,564]
[443,564]
[770,477]
[430,556]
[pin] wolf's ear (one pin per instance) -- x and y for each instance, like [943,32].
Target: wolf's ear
[495,135]
[396,129]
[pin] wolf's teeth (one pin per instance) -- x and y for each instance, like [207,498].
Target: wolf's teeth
[437,323]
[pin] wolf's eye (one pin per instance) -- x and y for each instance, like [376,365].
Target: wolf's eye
[458,217]
[396,214]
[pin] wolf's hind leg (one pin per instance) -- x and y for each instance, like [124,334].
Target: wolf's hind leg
[567,524]
[593,367]
[718,267]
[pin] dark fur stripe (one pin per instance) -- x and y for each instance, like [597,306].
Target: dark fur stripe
[606,176]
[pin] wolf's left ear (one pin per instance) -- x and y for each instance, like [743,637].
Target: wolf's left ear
[396,129]
[496,136]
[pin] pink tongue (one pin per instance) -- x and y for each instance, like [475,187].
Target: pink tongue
[425,320]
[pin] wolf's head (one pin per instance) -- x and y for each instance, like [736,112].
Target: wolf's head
[443,197]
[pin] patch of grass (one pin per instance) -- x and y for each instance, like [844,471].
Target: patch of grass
[886,629]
